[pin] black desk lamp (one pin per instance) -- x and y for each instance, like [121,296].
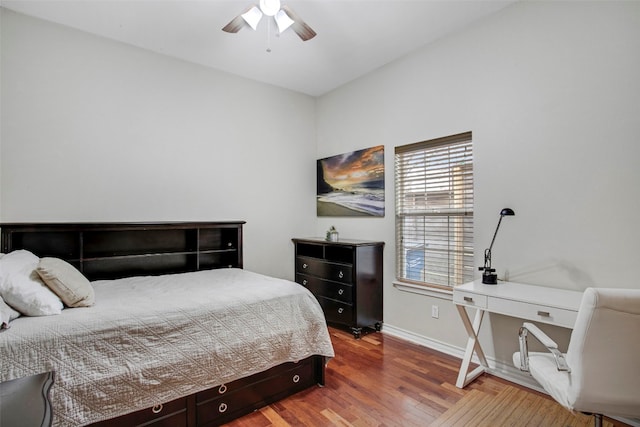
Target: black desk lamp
[489,277]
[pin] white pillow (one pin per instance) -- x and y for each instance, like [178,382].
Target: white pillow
[20,261]
[30,296]
[21,287]
[7,314]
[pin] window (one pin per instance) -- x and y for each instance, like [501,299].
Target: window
[434,211]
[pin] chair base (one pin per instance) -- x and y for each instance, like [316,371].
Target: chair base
[597,418]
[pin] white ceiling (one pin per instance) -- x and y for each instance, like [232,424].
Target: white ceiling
[354,36]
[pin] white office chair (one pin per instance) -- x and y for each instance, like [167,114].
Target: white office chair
[600,373]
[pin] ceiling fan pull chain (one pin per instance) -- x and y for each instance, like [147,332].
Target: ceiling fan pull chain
[269,35]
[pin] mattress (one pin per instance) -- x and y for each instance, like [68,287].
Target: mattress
[150,340]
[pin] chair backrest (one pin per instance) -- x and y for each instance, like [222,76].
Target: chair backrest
[604,353]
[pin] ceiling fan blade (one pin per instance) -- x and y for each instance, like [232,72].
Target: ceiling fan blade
[236,23]
[299,26]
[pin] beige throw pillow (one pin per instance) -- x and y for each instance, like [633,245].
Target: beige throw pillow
[67,282]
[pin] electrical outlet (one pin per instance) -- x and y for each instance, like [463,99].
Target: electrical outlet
[435,312]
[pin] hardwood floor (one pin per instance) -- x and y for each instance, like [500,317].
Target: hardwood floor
[381,380]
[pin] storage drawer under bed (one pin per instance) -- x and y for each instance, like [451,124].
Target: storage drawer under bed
[228,401]
[171,414]
[221,404]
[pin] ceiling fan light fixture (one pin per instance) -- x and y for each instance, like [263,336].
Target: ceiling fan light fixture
[283,20]
[270,7]
[283,15]
[252,17]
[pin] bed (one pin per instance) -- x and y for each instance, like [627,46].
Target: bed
[179,335]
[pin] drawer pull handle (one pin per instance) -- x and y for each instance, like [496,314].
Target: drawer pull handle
[304,265]
[296,378]
[304,282]
[468,299]
[340,291]
[222,389]
[341,274]
[229,244]
[544,313]
[340,310]
[157,409]
[222,408]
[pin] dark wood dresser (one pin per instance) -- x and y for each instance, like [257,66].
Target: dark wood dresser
[346,277]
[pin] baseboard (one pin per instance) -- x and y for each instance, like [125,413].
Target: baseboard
[424,341]
[499,369]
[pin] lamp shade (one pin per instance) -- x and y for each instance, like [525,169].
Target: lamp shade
[283,20]
[252,17]
[507,211]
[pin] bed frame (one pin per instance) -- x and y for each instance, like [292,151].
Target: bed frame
[115,250]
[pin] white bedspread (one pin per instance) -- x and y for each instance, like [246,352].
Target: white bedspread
[150,340]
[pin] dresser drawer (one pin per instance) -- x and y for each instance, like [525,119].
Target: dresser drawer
[225,406]
[324,269]
[469,299]
[336,311]
[540,313]
[323,288]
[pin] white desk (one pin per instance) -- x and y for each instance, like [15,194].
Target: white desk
[535,303]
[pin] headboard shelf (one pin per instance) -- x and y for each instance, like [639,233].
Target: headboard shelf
[112,250]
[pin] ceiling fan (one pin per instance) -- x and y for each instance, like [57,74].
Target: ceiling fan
[283,15]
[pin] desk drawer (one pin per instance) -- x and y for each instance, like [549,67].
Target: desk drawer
[469,299]
[539,313]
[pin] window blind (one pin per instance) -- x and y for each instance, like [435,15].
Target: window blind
[434,211]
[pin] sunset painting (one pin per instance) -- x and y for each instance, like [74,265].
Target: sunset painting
[352,184]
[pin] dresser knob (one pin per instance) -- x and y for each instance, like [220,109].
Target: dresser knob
[222,408]
[296,378]
[229,244]
[341,275]
[304,266]
[222,389]
[304,282]
[157,409]
[340,310]
[340,291]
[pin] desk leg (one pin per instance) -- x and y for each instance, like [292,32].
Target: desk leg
[464,376]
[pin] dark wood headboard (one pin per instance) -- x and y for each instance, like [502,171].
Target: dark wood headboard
[114,250]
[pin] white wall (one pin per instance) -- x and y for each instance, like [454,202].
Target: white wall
[95,130]
[551,93]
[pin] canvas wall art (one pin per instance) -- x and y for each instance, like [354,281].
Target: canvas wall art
[352,184]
